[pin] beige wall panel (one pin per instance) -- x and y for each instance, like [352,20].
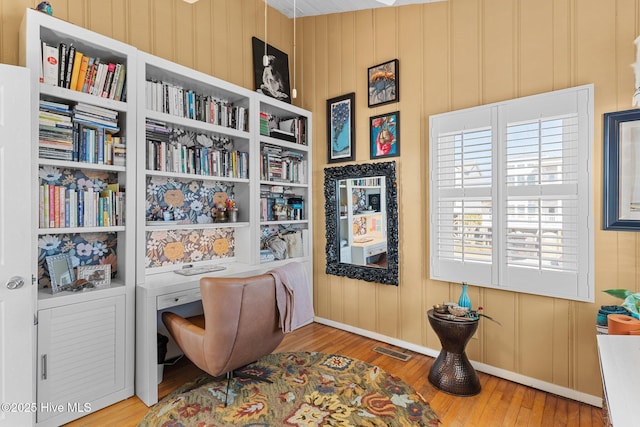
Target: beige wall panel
[563,53]
[11,14]
[436,63]
[306,96]
[500,341]
[562,344]
[100,17]
[536,323]
[120,23]
[237,44]
[76,13]
[219,34]
[465,54]
[203,34]
[60,8]
[436,293]
[185,33]
[347,49]
[627,260]
[253,25]
[535,49]
[163,34]
[586,351]
[411,177]
[498,62]
[140,34]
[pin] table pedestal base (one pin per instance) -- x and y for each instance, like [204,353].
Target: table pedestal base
[452,373]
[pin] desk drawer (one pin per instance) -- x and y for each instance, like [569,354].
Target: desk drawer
[177,298]
[375,250]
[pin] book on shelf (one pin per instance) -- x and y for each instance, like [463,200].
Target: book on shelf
[50,64]
[63,54]
[68,71]
[75,74]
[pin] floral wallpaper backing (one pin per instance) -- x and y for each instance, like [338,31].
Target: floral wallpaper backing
[83,248]
[172,247]
[190,201]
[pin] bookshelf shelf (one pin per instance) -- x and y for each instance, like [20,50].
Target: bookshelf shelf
[194,176]
[193,124]
[71,230]
[60,93]
[197,226]
[81,165]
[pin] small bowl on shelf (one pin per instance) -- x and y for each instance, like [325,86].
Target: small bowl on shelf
[440,308]
[458,311]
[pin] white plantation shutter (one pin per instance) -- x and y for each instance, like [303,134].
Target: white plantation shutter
[515,194]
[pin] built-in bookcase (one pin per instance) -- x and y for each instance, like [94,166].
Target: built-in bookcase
[83,199]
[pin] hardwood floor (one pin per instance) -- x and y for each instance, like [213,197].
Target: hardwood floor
[500,403]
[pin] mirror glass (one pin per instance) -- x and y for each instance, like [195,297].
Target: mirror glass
[362,227]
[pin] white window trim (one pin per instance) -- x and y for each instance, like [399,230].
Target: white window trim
[581,286]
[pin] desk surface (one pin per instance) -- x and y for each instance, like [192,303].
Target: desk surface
[619,363]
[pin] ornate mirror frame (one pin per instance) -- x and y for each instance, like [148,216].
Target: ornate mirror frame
[332,177]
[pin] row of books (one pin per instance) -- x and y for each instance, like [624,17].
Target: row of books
[280,165]
[287,129]
[175,100]
[175,157]
[65,66]
[62,207]
[83,133]
[279,207]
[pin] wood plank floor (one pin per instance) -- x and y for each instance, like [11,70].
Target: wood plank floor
[500,403]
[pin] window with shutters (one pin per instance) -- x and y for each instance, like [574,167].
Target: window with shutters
[511,195]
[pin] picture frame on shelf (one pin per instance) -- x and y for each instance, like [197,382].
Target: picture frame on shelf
[271,79]
[383,83]
[621,190]
[98,275]
[341,130]
[61,272]
[384,132]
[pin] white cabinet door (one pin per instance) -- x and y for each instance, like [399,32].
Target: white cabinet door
[80,356]
[16,300]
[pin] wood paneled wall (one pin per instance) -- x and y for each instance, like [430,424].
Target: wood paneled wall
[453,54]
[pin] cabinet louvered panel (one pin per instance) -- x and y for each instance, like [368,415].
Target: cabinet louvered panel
[81,354]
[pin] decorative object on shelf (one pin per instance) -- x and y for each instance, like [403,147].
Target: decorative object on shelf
[341,130]
[271,77]
[45,7]
[385,135]
[384,84]
[98,275]
[606,310]
[621,192]
[464,300]
[631,300]
[60,272]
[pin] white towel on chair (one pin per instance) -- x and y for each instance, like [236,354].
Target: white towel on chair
[292,296]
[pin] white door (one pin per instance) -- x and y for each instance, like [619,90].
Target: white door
[17,329]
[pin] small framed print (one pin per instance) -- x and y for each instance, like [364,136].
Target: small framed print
[384,85]
[341,130]
[98,275]
[60,272]
[385,135]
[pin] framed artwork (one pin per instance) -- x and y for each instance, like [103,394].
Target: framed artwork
[273,79]
[60,272]
[621,191]
[341,131]
[384,84]
[385,135]
[98,275]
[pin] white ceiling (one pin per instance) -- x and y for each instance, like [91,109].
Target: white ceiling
[325,7]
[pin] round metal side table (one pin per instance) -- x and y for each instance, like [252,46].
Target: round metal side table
[452,372]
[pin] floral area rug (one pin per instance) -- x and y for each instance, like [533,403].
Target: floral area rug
[308,389]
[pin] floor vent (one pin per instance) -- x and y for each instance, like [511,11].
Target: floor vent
[395,354]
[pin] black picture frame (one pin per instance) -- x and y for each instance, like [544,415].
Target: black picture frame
[273,79]
[621,172]
[384,135]
[341,129]
[332,177]
[383,83]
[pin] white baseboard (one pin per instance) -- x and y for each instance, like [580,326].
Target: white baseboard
[482,367]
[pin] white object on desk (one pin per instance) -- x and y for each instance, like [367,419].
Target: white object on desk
[619,363]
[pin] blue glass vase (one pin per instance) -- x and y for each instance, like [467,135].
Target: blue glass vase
[464,300]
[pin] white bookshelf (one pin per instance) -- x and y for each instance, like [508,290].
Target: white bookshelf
[97,316]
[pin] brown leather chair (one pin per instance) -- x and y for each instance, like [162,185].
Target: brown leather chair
[241,324]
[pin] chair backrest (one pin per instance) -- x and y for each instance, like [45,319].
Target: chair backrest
[241,321]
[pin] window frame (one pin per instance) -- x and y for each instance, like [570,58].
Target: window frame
[567,281]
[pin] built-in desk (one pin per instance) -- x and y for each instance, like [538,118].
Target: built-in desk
[619,364]
[161,291]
